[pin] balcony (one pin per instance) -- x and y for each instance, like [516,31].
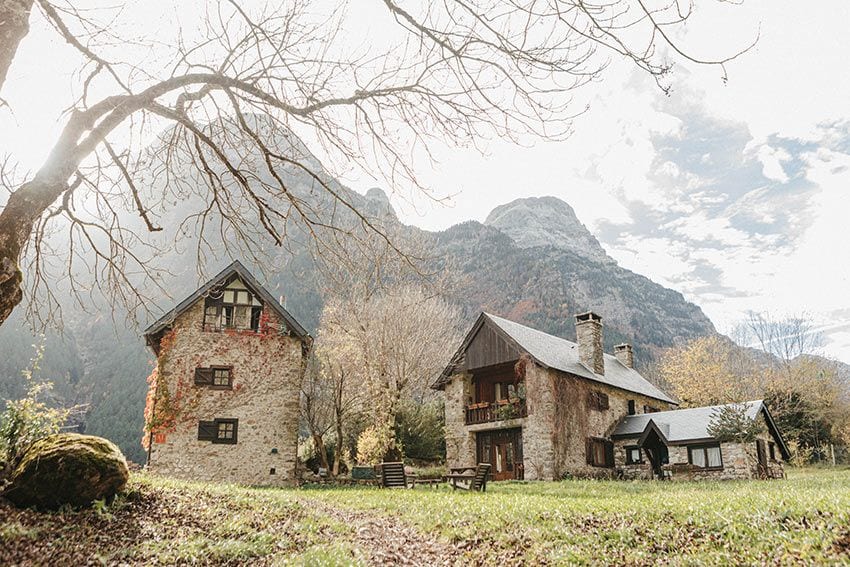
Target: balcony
[484,412]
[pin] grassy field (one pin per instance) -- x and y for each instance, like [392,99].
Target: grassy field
[803,520]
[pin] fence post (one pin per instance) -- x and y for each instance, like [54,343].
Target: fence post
[832,453]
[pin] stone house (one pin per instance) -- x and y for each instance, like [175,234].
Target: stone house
[537,406]
[223,403]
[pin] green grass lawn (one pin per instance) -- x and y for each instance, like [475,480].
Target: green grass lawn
[802,520]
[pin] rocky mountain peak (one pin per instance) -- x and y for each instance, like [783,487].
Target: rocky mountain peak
[546,221]
[378,203]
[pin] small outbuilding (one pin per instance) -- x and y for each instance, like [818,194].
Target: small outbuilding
[677,444]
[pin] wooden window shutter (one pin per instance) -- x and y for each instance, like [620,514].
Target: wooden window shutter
[609,454]
[588,447]
[603,400]
[203,376]
[206,430]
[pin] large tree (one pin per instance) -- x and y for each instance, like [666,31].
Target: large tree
[226,98]
[392,345]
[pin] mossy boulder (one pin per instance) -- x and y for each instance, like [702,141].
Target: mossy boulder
[67,468]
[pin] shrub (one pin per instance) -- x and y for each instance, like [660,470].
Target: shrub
[420,430]
[433,472]
[27,420]
[376,444]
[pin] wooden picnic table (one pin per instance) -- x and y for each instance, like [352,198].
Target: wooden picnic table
[431,482]
[454,477]
[461,470]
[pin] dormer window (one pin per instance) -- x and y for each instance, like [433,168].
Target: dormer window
[232,307]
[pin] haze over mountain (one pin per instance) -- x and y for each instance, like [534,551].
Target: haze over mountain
[532,261]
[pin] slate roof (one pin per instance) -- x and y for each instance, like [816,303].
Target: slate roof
[690,424]
[236,268]
[550,351]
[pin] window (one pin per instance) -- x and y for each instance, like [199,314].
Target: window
[222,378]
[705,456]
[771,447]
[633,455]
[600,452]
[597,401]
[234,307]
[218,377]
[219,431]
[650,409]
[631,407]
[225,431]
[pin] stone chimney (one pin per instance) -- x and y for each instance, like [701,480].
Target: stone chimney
[589,336]
[625,354]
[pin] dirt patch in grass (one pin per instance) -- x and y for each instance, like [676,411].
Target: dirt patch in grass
[842,544]
[387,541]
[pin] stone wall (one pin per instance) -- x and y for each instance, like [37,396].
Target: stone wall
[538,451]
[267,374]
[460,441]
[631,472]
[586,422]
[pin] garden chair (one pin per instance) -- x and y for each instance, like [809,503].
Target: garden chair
[393,476]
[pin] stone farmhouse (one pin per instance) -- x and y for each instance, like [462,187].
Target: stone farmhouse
[224,398]
[537,406]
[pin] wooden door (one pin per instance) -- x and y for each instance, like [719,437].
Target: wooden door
[761,451]
[503,450]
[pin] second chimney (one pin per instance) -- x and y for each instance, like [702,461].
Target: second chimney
[625,354]
[589,338]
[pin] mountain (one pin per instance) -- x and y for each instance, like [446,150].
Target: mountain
[545,285]
[546,221]
[532,261]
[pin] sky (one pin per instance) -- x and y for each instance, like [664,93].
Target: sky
[734,193]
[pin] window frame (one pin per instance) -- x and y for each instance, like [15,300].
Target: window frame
[607,452]
[210,372]
[218,422]
[771,448]
[229,385]
[629,449]
[650,409]
[704,447]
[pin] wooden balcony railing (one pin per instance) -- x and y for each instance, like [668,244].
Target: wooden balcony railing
[496,411]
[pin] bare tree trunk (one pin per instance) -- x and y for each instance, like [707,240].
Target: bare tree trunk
[14,26]
[319,442]
[339,445]
[17,219]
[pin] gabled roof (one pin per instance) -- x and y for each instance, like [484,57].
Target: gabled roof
[690,424]
[236,268]
[554,352]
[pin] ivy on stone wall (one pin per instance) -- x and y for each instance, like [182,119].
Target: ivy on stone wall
[569,423]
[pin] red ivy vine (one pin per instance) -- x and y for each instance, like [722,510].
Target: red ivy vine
[166,409]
